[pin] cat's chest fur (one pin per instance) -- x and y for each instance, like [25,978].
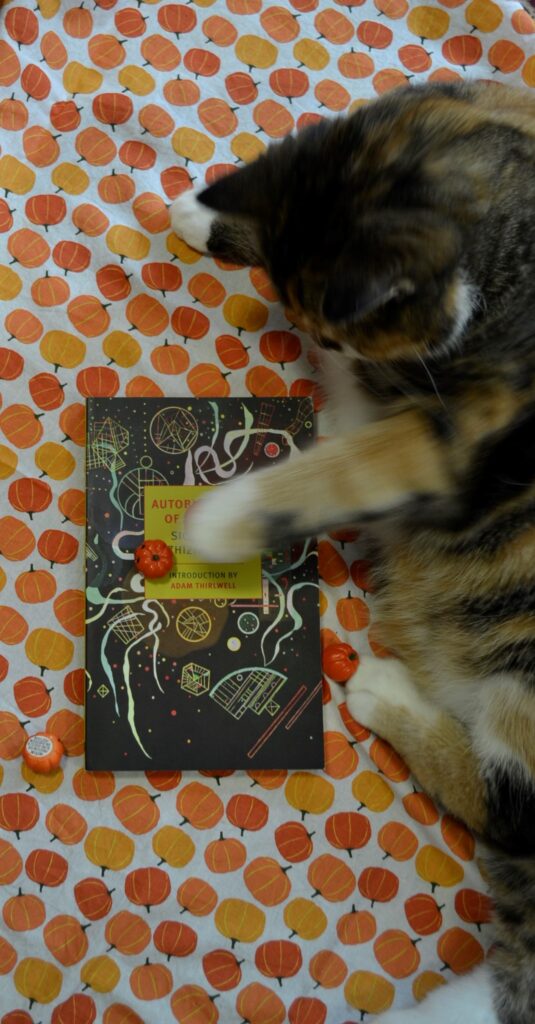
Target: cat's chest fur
[348,406]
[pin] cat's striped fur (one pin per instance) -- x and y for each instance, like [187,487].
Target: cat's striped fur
[403,238]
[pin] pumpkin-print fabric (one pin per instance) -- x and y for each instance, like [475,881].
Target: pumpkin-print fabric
[261,896]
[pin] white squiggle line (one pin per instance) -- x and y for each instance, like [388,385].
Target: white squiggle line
[127,556]
[154,630]
[107,668]
[88,674]
[215,409]
[277,619]
[189,475]
[221,468]
[292,611]
[131,703]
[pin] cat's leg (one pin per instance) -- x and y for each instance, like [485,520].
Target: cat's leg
[209,232]
[467,1000]
[362,475]
[383,697]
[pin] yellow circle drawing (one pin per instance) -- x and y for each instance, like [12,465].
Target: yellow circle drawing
[193,624]
[220,602]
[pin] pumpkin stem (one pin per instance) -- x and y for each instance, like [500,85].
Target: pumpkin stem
[53,839]
[221,835]
[156,796]
[84,926]
[446,967]
[147,962]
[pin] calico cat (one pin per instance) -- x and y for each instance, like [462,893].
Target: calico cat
[403,240]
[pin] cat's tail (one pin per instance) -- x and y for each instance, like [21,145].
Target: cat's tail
[512,961]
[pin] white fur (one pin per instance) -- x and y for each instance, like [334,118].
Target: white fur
[466,299]
[192,221]
[210,527]
[347,406]
[384,680]
[467,1000]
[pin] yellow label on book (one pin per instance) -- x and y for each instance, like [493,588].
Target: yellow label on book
[165,508]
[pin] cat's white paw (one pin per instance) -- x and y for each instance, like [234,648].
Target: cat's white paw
[379,682]
[192,221]
[222,527]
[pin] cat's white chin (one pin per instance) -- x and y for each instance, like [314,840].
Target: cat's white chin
[192,221]
[221,527]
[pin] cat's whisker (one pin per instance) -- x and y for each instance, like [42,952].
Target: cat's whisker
[432,379]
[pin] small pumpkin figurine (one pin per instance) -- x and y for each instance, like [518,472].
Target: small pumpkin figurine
[340,662]
[43,752]
[153,558]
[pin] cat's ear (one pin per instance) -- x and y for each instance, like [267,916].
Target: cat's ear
[243,193]
[350,297]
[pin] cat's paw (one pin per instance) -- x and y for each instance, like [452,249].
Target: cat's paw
[223,526]
[192,221]
[381,685]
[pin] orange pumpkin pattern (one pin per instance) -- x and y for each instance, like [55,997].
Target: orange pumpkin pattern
[217,896]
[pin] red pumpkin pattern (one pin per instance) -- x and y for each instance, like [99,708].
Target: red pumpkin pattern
[109,111]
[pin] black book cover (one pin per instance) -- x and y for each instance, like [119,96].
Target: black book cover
[240,686]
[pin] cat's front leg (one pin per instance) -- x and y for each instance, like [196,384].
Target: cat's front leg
[211,233]
[383,697]
[370,473]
